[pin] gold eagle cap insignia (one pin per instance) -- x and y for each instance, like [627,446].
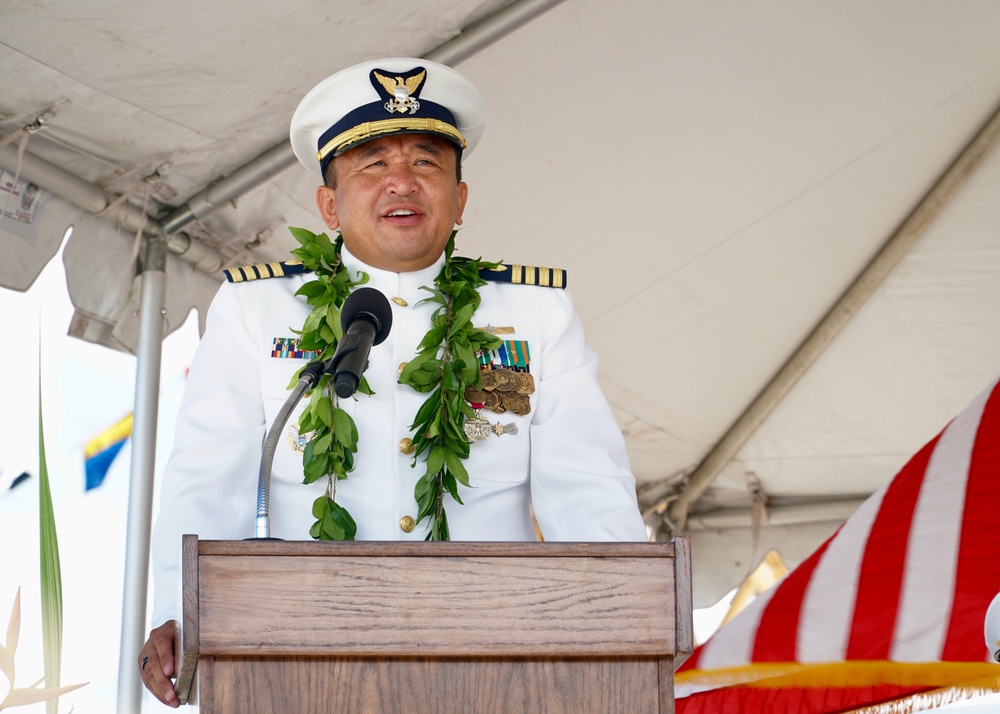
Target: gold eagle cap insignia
[412,84]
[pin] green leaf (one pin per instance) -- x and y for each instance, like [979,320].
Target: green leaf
[306,421]
[435,460]
[452,486]
[302,235]
[343,427]
[323,410]
[344,521]
[321,443]
[313,289]
[448,380]
[425,485]
[315,469]
[331,530]
[314,319]
[456,467]
[427,505]
[414,365]
[426,410]
[51,571]
[365,388]
[461,320]
[433,338]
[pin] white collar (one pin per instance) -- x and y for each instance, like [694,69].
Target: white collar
[404,285]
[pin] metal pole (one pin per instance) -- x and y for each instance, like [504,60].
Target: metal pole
[95,200]
[483,33]
[140,506]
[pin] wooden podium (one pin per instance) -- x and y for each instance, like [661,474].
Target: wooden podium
[427,628]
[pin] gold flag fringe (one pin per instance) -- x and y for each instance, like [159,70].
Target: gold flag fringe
[924,701]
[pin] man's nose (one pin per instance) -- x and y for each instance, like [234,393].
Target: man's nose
[401,181]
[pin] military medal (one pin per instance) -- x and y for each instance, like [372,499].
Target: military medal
[488,379]
[503,390]
[475,396]
[505,381]
[479,429]
[515,403]
[494,403]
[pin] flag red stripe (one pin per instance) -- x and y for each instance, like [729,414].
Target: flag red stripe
[977,578]
[880,579]
[779,623]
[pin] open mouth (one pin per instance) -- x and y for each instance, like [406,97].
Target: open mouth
[403,216]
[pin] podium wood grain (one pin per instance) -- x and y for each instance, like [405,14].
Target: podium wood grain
[434,627]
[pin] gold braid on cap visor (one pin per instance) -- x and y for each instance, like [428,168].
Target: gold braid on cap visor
[385,126]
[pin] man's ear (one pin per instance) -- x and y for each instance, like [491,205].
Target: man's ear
[326,202]
[463,196]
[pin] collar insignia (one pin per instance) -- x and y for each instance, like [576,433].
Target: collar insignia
[401,91]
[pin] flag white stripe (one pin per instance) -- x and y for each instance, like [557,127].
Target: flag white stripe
[732,645]
[932,552]
[828,602]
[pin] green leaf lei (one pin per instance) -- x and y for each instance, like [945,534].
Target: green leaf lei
[444,367]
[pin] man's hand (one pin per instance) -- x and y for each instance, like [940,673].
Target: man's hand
[157,663]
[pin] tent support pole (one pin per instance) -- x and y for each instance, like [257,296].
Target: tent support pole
[899,243]
[140,506]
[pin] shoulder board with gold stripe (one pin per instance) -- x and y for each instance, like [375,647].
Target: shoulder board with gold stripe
[525,275]
[260,271]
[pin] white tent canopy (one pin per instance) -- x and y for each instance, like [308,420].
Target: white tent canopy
[713,175]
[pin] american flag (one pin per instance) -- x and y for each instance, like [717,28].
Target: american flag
[889,609]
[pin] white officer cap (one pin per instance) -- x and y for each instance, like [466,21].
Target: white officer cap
[396,95]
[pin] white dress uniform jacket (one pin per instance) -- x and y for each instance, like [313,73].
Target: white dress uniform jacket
[567,459]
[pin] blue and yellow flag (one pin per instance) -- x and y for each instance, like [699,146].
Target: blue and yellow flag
[101,451]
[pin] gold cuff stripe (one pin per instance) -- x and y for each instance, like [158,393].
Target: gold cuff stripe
[384,126]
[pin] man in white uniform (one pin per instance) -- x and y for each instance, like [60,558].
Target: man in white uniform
[387,138]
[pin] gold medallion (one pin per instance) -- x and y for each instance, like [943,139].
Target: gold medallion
[493,403]
[475,396]
[488,379]
[507,381]
[516,403]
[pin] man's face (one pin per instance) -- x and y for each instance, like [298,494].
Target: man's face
[397,200]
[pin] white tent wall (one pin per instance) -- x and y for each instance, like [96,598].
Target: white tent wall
[713,175]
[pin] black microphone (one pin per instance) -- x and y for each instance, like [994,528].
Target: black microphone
[365,318]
